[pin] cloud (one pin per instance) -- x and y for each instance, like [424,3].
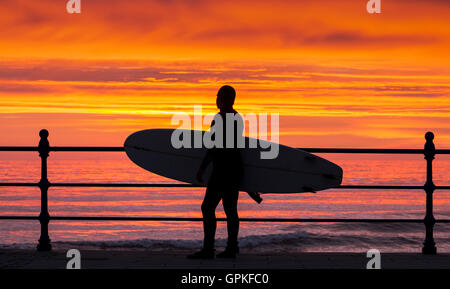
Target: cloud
[214,29]
[360,39]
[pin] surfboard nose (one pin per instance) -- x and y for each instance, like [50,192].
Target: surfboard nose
[335,176]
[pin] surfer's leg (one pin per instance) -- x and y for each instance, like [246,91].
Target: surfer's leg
[230,200]
[210,202]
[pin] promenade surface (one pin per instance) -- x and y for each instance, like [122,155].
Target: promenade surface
[141,259]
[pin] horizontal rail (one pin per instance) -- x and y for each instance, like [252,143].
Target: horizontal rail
[371,151]
[125,185]
[180,219]
[63,149]
[312,150]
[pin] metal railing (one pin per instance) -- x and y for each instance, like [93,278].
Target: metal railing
[44,148]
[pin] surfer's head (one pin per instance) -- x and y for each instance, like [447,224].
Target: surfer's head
[225,97]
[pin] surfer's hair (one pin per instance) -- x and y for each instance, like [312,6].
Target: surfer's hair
[227,93]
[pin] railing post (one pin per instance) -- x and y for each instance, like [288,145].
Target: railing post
[44,216]
[429,246]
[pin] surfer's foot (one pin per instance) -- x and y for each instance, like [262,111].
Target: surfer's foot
[229,253]
[202,254]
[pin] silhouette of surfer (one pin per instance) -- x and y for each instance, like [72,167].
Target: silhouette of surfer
[224,180]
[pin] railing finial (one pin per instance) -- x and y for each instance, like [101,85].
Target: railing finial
[430,150]
[44,149]
[43,133]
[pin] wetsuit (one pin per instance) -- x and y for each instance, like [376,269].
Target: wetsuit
[223,185]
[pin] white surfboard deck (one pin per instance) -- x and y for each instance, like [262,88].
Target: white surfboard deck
[292,171]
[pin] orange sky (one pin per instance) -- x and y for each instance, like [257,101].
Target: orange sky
[337,75]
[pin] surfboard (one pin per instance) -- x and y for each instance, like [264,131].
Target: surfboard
[292,171]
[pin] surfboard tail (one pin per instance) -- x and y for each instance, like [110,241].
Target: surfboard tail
[255,196]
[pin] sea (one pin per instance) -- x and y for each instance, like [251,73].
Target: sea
[265,237]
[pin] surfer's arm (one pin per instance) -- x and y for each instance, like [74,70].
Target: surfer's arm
[208,156]
[205,162]
[207,159]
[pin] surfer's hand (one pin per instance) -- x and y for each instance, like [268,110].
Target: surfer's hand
[200,175]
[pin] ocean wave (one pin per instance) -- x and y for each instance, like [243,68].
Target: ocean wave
[296,241]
